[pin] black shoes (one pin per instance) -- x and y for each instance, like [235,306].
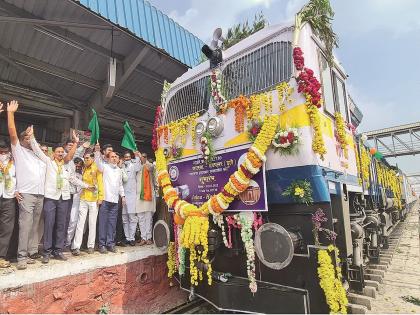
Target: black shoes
[103,250]
[45,259]
[35,256]
[132,243]
[112,249]
[76,252]
[60,256]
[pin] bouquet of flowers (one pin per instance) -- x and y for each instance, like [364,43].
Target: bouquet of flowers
[176,151]
[254,127]
[286,141]
[300,191]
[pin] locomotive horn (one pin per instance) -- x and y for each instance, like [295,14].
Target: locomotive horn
[275,245]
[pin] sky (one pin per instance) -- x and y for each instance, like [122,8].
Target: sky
[379,47]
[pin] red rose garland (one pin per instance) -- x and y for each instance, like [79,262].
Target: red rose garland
[307,82]
[155,136]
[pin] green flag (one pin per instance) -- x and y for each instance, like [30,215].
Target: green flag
[94,128]
[128,142]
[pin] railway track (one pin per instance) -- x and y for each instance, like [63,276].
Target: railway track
[361,302]
[197,306]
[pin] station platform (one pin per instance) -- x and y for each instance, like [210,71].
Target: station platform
[133,280]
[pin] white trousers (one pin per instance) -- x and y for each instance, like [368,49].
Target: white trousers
[146,223]
[130,221]
[74,216]
[85,207]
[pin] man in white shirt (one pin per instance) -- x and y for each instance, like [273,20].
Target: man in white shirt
[57,196]
[30,176]
[108,211]
[7,201]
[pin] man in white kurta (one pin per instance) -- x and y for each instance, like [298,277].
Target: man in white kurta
[129,212]
[145,207]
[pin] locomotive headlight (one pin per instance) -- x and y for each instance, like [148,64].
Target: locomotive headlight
[200,128]
[215,126]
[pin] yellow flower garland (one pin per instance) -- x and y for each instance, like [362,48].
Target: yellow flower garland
[389,179]
[358,165]
[341,133]
[180,129]
[330,281]
[196,222]
[365,166]
[284,93]
[318,145]
[171,260]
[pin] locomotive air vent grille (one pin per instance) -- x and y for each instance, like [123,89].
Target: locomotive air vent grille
[258,71]
[190,99]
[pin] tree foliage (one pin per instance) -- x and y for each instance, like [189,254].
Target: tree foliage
[319,14]
[241,31]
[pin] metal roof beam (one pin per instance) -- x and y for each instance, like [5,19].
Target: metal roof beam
[47,86]
[47,68]
[99,50]
[99,100]
[12,19]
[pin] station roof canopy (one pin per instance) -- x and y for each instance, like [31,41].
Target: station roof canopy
[55,57]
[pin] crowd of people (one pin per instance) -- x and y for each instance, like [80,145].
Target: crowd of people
[74,191]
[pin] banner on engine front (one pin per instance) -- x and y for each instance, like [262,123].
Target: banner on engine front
[196,180]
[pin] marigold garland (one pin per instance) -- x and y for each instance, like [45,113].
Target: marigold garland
[240,105]
[365,166]
[284,93]
[171,260]
[330,281]
[341,133]
[318,145]
[196,222]
[358,165]
[155,132]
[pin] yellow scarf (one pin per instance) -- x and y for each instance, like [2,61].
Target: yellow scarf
[4,174]
[59,173]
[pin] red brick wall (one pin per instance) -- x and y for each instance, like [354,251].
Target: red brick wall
[138,287]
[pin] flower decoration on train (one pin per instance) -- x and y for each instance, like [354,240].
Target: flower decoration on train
[206,146]
[176,151]
[254,128]
[216,89]
[341,133]
[300,191]
[155,132]
[245,221]
[309,85]
[286,141]
[318,218]
[195,219]
[330,280]
[240,105]
[284,95]
[171,260]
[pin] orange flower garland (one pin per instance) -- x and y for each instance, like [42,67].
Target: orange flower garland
[240,105]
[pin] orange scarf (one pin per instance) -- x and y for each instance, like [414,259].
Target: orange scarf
[146,188]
